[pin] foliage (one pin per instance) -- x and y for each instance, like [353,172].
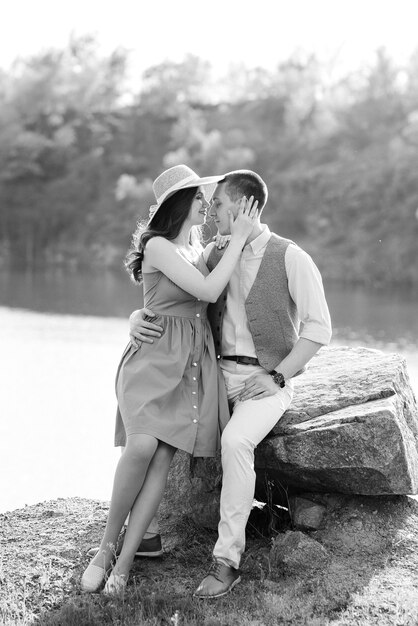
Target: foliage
[77,156]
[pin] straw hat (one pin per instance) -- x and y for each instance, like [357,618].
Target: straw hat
[175,178]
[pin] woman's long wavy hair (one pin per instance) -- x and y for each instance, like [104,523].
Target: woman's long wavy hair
[167,222]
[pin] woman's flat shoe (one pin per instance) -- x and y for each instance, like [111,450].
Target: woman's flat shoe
[92,578]
[115,585]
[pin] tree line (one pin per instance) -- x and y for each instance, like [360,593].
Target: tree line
[79,149]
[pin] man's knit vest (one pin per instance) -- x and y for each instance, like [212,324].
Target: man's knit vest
[271,312]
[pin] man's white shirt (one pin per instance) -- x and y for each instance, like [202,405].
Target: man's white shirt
[305,288]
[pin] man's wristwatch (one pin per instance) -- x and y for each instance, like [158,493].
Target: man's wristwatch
[278,378]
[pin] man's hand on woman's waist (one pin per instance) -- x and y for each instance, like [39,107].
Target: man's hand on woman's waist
[141,328]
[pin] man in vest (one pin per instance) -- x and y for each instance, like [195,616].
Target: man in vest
[269,322]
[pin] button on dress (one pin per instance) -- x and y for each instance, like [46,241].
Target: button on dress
[173,389]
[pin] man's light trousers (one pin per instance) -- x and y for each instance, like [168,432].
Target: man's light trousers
[250,422]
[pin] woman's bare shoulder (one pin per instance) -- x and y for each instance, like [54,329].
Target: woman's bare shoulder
[157,241]
[158,244]
[156,250]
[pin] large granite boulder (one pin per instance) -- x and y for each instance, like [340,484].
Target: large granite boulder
[352,428]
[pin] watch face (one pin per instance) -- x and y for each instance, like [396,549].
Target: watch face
[279,379]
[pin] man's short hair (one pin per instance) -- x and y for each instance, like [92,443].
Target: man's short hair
[246,183]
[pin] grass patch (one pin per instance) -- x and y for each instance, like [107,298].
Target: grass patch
[371,576]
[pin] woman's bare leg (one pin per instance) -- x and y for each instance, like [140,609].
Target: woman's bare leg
[153,529]
[145,507]
[129,479]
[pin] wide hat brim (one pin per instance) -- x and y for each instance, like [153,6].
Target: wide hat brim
[196,182]
[208,181]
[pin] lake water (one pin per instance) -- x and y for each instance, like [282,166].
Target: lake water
[61,337]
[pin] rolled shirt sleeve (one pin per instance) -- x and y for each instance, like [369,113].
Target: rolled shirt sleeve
[307,291]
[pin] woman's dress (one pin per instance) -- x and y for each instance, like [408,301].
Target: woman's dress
[173,389]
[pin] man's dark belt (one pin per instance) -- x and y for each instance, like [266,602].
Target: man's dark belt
[245,360]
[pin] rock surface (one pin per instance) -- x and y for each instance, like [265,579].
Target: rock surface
[352,428]
[306,514]
[293,552]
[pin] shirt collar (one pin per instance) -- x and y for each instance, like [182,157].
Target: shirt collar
[261,240]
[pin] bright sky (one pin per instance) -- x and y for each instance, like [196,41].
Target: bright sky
[257,32]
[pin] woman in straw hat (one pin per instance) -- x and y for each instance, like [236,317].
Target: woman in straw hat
[170,394]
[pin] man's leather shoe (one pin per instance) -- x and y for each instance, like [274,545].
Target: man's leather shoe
[150,547]
[219,581]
